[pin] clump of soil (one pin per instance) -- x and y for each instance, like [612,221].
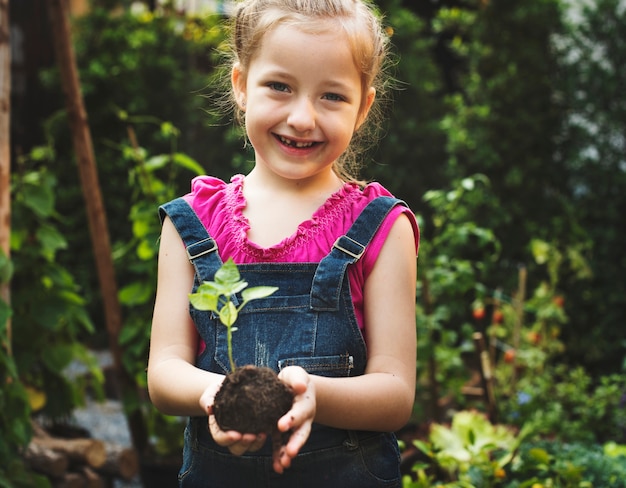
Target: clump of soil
[251,400]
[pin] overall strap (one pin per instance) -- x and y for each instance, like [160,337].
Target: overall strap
[197,240]
[348,249]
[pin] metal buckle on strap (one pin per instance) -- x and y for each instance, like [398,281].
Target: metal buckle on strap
[203,251]
[353,253]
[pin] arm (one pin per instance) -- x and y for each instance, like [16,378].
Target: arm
[176,386]
[382,398]
[174,383]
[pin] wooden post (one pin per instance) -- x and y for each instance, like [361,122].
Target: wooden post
[83,148]
[518,304]
[5,150]
[486,375]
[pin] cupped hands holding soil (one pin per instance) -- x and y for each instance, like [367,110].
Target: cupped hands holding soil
[252,400]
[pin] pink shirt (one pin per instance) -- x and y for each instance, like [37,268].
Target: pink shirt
[220,205]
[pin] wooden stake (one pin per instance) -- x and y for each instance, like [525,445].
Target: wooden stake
[486,373]
[5,152]
[98,228]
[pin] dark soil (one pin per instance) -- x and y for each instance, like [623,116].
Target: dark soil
[252,400]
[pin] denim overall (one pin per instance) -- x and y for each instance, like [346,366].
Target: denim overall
[308,322]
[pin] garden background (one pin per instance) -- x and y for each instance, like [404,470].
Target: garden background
[505,131]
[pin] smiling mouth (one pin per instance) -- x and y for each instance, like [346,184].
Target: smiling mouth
[296,144]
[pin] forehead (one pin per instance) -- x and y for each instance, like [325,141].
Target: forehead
[319,53]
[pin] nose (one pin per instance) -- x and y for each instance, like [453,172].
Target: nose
[302,116]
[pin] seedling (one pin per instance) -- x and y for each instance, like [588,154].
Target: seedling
[216,296]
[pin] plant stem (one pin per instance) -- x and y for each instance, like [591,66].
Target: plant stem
[229,341]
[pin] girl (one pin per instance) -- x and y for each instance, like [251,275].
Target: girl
[341,328]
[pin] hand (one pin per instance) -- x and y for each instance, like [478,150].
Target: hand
[299,419]
[236,442]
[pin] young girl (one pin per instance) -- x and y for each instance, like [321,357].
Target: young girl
[341,328]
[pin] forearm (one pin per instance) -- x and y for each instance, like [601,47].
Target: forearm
[376,401]
[175,386]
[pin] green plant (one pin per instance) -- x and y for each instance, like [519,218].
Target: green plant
[15,410]
[147,70]
[455,258]
[216,296]
[568,404]
[49,312]
[48,315]
[471,452]
[566,465]
[152,179]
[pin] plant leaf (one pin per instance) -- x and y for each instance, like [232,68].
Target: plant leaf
[204,301]
[228,314]
[257,292]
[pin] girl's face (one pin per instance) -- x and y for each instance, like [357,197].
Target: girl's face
[302,99]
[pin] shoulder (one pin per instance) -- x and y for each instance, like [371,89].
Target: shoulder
[400,212]
[374,190]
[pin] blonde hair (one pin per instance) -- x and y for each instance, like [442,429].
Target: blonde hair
[358,19]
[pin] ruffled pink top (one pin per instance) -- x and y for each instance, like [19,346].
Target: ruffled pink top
[219,205]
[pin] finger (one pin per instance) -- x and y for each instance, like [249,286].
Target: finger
[295,377]
[240,447]
[258,443]
[278,452]
[221,437]
[297,440]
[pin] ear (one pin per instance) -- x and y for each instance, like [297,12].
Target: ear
[369,100]
[238,82]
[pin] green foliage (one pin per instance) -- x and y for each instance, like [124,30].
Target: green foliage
[151,178]
[13,474]
[137,69]
[503,120]
[216,296]
[455,256]
[592,52]
[49,312]
[410,156]
[566,465]
[569,405]
[470,452]
[14,406]
[473,453]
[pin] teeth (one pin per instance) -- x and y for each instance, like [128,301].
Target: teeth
[289,142]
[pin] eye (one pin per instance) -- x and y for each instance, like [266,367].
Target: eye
[334,97]
[278,86]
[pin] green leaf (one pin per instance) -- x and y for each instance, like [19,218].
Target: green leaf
[39,198]
[228,314]
[257,292]
[51,239]
[203,301]
[135,293]
[157,162]
[228,272]
[6,268]
[57,356]
[145,251]
[186,162]
[540,250]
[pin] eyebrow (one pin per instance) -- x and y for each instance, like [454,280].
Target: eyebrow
[331,84]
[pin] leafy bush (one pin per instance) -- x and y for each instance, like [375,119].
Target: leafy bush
[568,405]
[137,69]
[49,311]
[455,257]
[566,465]
[473,453]
[151,178]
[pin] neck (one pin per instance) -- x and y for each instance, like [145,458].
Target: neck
[325,183]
